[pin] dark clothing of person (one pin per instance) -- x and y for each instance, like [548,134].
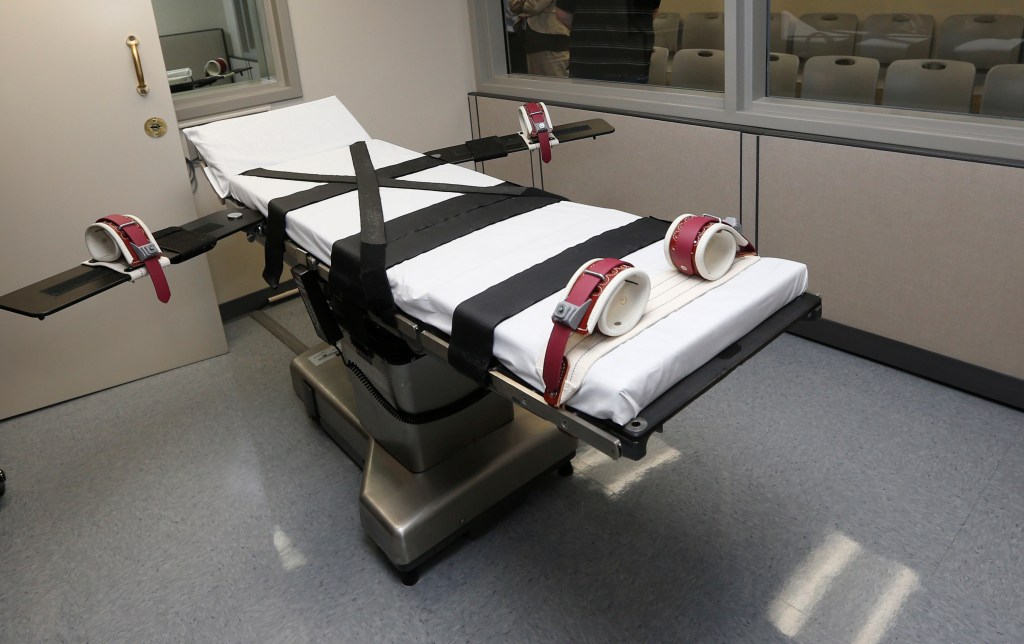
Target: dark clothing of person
[611,40]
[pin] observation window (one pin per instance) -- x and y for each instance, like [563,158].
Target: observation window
[914,54]
[675,43]
[224,55]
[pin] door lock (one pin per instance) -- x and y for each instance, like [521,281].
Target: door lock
[156,127]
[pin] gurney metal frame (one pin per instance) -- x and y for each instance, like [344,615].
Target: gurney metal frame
[416,499]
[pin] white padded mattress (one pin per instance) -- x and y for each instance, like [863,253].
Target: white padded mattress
[430,286]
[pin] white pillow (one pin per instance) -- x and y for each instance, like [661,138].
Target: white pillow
[232,146]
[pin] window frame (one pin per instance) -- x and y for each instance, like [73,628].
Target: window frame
[744,105]
[285,85]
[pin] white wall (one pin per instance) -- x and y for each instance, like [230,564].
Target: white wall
[403,68]
[178,16]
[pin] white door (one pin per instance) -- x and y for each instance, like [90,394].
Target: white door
[74,149]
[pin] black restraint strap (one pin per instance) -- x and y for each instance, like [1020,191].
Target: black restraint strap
[452,228]
[472,339]
[385,182]
[373,238]
[432,215]
[427,229]
[279,208]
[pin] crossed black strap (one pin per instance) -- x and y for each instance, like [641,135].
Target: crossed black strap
[278,209]
[359,263]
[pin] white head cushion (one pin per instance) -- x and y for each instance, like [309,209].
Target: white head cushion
[232,146]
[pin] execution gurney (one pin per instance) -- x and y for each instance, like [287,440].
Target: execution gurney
[434,386]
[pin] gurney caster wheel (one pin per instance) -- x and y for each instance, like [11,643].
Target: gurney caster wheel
[565,469]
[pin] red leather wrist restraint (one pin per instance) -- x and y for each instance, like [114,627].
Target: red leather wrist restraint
[136,247]
[576,313]
[704,246]
[538,126]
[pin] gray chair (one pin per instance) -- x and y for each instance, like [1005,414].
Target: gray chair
[929,84]
[1004,91]
[984,40]
[782,73]
[705,30]
[845,79]
[699,69]
[824,34]
[666,30]
[888,37]
[658,69]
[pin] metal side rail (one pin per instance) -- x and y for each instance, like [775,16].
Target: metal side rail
[178,244]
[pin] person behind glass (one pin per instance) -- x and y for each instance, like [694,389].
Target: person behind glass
[546,39]
[609,40]
[514,41]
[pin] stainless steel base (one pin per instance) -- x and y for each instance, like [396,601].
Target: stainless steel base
[409,514]
[321,380]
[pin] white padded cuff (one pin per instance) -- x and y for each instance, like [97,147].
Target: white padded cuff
[622,302]
[105,245]
[715,252]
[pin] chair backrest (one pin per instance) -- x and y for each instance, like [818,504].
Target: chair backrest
[846,79]
[1004,91]
[699,69]
[666,30]
[658,70]
[984,40]
[824,34]
[704,30]
[930,84]
[782,73]
[895,36]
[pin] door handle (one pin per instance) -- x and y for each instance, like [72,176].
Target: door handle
[143,88]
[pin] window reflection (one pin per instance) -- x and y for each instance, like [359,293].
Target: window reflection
[208,44]
[915,54]
[678,43]
[610,40]
[545,37]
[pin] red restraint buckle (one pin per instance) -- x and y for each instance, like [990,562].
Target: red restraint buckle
[540,129]
[143,250]
[571,315]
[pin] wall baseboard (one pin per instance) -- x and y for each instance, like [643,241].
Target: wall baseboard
[992,385]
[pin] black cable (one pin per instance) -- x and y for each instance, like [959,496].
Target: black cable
[191,165]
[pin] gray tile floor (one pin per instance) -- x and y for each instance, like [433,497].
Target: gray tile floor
[810,497]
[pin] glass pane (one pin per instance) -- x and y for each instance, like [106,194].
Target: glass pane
[660,42]
[916,54]
[212,43]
